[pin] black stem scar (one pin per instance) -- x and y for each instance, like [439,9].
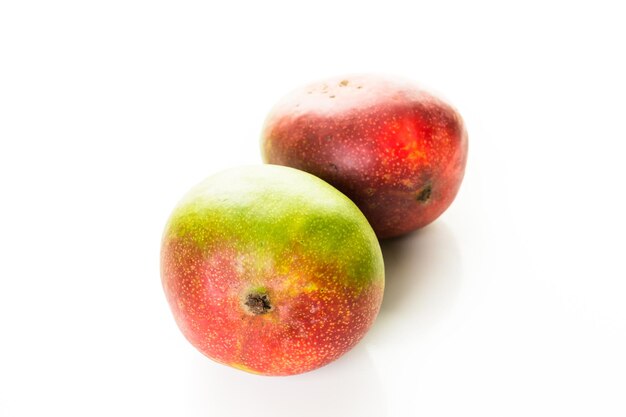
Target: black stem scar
[258,303]
[424,194]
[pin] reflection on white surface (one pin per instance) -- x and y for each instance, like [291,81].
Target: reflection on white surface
[422,276]
[347,387]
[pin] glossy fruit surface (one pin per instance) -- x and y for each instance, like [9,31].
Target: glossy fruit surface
[397,151]
[271,270]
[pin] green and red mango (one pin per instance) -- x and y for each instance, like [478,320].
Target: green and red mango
[271,270]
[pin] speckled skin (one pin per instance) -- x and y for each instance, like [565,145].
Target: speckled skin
[282,233]
[398,152]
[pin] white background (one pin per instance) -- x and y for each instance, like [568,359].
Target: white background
[512,304]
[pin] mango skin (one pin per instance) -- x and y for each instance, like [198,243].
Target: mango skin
[284,233]
[394,149]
